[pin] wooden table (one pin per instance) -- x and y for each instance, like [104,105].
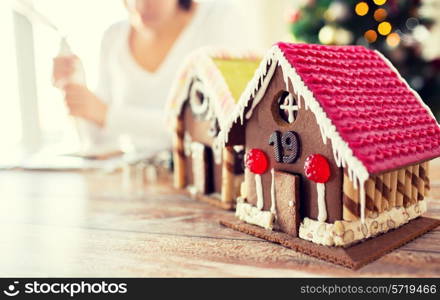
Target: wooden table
[87,224]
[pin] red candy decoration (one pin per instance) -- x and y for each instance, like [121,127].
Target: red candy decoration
[256,161]
[316,168]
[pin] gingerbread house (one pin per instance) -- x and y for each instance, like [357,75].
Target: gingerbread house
[337,149]
[202,98]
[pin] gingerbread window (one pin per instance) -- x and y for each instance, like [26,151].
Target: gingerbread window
[198,101]
[285,108]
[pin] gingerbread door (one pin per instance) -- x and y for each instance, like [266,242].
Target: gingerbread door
[201,167]
[287,202]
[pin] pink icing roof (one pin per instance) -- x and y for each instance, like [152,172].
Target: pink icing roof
[374,111]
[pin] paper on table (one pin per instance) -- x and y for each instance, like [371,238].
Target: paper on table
[62,162]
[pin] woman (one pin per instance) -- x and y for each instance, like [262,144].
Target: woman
[139,58]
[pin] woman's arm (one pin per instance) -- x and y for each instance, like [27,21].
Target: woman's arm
[83,103]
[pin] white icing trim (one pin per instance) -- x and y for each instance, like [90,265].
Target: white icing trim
[345,233]
[252,215]
[218,154]
[272,193]
[342,153]
[238,148]
[187,141]
[197,152]
[259,190]
[192,190]
[197,149]
[260,93]
[322,209]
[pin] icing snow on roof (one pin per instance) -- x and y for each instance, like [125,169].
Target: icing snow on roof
[223,75]
[382,120]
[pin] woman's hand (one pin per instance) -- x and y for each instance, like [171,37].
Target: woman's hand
[82,103]
[63,68]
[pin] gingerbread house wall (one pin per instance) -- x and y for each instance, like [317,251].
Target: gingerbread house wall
[199,132]
[258,130]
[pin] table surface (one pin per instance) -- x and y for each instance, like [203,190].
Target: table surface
[88,225]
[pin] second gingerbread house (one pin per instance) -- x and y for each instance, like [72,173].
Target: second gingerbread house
[202,99]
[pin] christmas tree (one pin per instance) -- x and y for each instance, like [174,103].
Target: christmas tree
[402,30]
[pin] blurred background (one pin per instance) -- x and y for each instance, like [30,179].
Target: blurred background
[34,117]
[407,32]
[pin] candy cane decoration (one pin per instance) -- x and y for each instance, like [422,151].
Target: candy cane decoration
[257,162]
[317,169]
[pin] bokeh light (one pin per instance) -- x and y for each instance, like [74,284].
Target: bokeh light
[327,35]
[384,28]
[361,8]
[412,23]
[393,39]
[343,37]
[370,36]
[380,14]
[380,2]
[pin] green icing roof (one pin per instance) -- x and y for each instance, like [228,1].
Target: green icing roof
[237,73]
